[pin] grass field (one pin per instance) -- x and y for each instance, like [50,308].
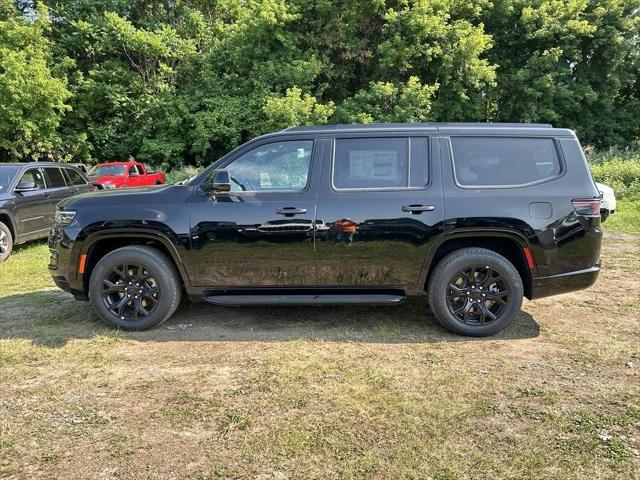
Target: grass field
[620,169]
[299,393]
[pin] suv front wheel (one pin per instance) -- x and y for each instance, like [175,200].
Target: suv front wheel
[475,292]
[6,242]
[135,288]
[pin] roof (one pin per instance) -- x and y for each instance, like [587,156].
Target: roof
[121,164]
[39,164]
[442,128]
[412,126]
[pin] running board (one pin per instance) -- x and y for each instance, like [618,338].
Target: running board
[332,299]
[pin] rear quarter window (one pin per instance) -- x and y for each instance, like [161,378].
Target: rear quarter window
[503,161]
[74,177]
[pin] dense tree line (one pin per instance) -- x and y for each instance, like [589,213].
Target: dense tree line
[182,81]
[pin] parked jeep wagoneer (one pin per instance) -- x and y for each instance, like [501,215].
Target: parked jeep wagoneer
[475,216]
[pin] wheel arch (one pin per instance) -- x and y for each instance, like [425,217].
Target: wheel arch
[98,245]
[8,221]
[509,244]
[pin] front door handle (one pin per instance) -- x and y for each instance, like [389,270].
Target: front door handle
[290,211]
[416,208]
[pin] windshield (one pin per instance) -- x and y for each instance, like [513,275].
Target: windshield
[7,174]
[103,170]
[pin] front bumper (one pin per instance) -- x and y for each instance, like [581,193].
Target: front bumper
[564,282]
[63,259]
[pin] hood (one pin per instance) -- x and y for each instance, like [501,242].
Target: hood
[107,179]
[126,197]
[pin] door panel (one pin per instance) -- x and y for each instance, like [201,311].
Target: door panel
[57,189]
[32,208]
[378,236]
[258,236]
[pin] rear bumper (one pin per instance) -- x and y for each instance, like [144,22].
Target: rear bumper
[564,282]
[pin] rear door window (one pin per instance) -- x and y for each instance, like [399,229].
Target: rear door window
[55,179]
[74,177]
[504,161]
[380,163]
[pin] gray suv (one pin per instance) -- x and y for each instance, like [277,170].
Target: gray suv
[29,193]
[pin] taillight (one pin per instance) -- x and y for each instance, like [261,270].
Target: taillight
[586,207]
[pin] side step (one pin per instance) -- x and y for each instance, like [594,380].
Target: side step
[330,299]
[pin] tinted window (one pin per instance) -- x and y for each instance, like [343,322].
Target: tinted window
[498,161]
[272,167]
[133,170]
[74,177]
[54,178]
[33,175]
[104,170]
[381,163]
[419,163]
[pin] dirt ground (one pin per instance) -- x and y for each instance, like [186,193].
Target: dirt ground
[326,392]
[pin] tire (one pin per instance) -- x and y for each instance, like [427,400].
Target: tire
[149,283]
[451,289]
[6,242]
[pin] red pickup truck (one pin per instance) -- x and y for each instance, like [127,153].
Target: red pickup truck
[124,174]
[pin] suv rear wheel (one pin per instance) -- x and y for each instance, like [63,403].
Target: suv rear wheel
[6,242]
[135,288]
[475,292]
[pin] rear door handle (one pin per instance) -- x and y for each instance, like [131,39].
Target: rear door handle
[291,211]
[416,208]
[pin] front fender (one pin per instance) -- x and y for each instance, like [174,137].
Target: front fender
[172,242]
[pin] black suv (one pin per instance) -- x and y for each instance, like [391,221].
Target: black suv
[475,216]
[29,193]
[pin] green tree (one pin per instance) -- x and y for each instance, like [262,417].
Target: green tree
[33,93]
[572,63]
[389,102]
[294,109]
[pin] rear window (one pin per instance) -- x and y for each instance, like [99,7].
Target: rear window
[54,178]
[380,163]
[500,161]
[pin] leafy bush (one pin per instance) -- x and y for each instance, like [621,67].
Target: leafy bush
[178,175]
[618,169]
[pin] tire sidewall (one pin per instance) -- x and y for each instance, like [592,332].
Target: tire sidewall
[7,254]
[165,304]
[440,283]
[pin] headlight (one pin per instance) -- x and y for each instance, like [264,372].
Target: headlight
[64,218]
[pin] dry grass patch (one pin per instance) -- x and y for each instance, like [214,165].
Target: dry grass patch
[298,393]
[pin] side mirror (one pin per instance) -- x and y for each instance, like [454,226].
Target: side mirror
[25,186]
[221,182]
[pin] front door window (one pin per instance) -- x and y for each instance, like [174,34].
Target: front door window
[279,166]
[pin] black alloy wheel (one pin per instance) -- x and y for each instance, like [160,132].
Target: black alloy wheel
[475,291]
[135,287]
[477,295]
[130,292]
